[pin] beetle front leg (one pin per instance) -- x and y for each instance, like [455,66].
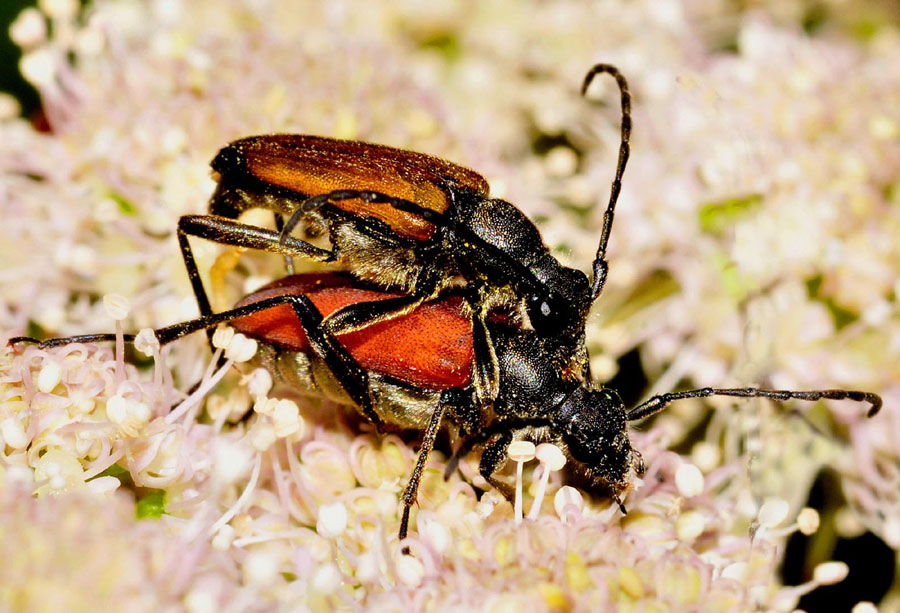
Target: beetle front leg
[364,314]
[349,374]
[493,458]
[316,202]
[227,231]
[477,434]
[499,436]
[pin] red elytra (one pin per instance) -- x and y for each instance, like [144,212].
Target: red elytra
[430,347]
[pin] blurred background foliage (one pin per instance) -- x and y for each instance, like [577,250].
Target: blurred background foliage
[11,80]
[860,19]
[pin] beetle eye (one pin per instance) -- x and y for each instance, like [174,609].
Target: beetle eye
[547,313]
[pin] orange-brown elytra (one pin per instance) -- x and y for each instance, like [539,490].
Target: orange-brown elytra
[315,165]
[410,223]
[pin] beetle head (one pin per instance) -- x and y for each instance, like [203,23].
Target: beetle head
[591,423]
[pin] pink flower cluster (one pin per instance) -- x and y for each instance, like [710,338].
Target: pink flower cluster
[755,243]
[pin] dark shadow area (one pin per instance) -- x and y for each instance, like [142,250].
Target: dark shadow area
[11,80]
[630,380]
[871,561]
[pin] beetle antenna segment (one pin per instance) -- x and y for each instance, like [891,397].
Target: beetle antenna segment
[58,342]
[658,403]
[601,266]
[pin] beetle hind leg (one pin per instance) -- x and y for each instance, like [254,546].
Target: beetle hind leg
[412,488]
[316,202]
[346,370]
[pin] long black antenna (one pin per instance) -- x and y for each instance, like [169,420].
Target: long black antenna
[601,266]
[658,403]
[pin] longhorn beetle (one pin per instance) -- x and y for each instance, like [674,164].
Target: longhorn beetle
[413,223]
[434,386]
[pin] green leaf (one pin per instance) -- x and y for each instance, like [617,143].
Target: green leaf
[716,217]
[445,43]
[113,471]
[126,207]
[842,317]
[152,506]
[652,289]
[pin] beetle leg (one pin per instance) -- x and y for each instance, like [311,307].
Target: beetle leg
[288,259]
[187,255]
[229,232]
[462,451]
[486,370]
[375,229]
[316,202]
[166,334]
[68,340]
[412,488]
[475,439]
[492,459]
[351,376]
[364,314]
[348,373]
[498,437]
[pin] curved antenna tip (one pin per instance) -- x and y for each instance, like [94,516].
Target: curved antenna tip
[624,152]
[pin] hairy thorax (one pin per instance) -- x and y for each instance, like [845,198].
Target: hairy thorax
[391,266]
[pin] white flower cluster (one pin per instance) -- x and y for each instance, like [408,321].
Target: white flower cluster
[755,242]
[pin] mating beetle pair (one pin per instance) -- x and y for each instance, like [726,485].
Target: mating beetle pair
[430,255]
[408,222]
